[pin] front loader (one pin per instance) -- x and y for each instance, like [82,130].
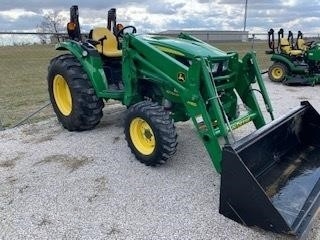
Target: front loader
[270,178]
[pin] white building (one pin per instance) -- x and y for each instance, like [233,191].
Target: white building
[212,36]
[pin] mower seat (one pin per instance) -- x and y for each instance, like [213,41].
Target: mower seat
[301,44]
[286,48]
[108,44]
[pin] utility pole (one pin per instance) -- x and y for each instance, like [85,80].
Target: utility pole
[245,16]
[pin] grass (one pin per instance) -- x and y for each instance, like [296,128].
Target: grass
[23,86]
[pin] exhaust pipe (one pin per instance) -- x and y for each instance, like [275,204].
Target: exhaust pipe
[271,178]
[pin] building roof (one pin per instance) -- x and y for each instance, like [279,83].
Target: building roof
[175,31]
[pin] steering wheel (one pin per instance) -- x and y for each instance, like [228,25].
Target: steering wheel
[309,44]
[121,31]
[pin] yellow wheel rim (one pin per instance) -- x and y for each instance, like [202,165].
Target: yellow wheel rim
[62,95]
[142,136]
[277,73]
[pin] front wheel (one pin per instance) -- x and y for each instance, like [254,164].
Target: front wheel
[150,133]
[277,72]
[72,95]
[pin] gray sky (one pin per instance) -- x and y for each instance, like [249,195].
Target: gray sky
[153,16]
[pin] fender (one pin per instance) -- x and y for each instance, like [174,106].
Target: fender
[91,62]
[288,62]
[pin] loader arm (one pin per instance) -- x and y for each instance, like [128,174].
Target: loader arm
[196,91]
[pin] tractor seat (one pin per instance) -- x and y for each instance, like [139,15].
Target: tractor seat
[108,44]
[286,48]
[301,44]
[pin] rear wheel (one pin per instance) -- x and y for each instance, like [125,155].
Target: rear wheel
[150,133]
[277,72]
[72,95]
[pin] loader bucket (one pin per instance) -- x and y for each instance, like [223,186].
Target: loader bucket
[271,178]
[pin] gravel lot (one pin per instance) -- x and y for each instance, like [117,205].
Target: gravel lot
[56,184]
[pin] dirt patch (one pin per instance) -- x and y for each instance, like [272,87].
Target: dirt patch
[303,98]
[113,231]
[292,89]
[100,183]
[11,179]
[35,134]
[72,163]
[11,163]
[23,188]
[100,186]
[116,139]
[40,221]
[7,164]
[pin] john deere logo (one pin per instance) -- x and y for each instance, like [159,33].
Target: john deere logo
[181,77]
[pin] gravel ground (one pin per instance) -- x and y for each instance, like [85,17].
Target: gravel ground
[57,184]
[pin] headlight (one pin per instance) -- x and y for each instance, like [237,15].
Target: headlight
[225,65]
[219,67]
[214,67]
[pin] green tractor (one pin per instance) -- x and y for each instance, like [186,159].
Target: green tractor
[270,178]
[294,63]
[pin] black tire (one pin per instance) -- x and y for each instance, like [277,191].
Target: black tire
[277,72]
[72,95]
[150,133]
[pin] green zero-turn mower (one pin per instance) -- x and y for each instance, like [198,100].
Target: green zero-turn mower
[294,63]
[270,178]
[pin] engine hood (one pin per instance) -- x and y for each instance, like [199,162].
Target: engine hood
[184,47]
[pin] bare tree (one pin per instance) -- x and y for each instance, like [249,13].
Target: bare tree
[51,25]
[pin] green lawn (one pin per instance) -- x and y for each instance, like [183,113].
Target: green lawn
[23,86]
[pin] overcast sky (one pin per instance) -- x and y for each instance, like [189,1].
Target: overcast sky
[154,16]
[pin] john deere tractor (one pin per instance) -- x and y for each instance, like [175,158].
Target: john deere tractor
[294,63]
[270,178]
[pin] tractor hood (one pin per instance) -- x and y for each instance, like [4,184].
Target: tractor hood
[184,47]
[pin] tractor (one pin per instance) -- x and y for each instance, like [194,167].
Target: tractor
[294,63]
[270,178]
